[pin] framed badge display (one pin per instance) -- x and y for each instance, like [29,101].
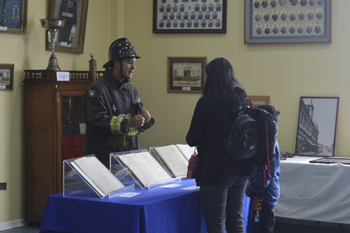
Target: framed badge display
[6,77]
[71,37]
[13,16]
[287,21]
[186,74]
[189,16]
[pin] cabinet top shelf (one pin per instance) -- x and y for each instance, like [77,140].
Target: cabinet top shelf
[50,75]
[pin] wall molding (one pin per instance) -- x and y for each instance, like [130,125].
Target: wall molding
[12,224]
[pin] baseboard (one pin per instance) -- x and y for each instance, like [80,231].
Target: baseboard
[311,223]
[12,224]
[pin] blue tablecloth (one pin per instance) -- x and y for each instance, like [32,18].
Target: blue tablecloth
[154,210]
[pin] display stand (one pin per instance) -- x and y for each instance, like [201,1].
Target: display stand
[125,175]
[75,185]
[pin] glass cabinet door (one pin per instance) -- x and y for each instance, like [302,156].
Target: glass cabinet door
[73,127]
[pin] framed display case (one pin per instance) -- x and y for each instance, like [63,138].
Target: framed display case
[287,21]
[186,16]
[72,36]
[54,131]
[13,16]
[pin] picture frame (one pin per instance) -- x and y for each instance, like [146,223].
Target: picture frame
[327,160]
[6,77]
[189,16]
[14,19]
[186,74]
[71,38]
[259,99]
[287,21]
[317,123]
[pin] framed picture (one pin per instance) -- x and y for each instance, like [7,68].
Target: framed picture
[287,21]
[13,16]
[342,160]
[185,74]
[6,77]
[71,37]
[317,126]
[189,16]
[259,99]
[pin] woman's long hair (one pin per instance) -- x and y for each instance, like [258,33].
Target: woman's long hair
[222,83]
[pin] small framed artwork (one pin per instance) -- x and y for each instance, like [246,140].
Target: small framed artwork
[317,125]
[287,21]
[326,160]
[6,77]
[189,16]
[186,74]
[259,99]
[13,16]
[71,37]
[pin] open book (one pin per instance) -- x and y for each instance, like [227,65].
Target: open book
[96,175]
[146,169]
[173,159]
[186,150]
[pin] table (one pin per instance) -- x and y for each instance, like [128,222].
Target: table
[316,192]
[154,210]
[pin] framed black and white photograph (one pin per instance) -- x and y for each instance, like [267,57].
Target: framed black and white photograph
[6,77]
[287,21]
[186,74]
[71,37]
[189,16]
[317,125]
[13,16]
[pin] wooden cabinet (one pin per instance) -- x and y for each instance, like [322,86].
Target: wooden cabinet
[50,106]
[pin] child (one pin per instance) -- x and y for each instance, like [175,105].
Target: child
[270,194]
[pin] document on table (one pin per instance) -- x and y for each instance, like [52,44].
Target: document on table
[186,150]
[97,175]
[144,166]
[173,159]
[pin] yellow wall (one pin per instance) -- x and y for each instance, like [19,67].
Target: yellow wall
[283,71]
[28,52]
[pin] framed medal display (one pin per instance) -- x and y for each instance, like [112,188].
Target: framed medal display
[71,37]
[287,21]
[13,16]
[189,16]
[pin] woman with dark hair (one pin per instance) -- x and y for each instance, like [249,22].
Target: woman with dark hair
[222,181]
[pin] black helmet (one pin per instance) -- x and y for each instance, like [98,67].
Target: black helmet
[120,48]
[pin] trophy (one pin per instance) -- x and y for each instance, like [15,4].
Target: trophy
[52,26]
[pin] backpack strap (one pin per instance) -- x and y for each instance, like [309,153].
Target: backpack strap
[249,102]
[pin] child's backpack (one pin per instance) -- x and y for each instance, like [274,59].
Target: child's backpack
[253,135]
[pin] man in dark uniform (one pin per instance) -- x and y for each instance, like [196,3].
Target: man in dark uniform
[114,115]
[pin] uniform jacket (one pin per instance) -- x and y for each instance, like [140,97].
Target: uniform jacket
[271,192]
[109,103]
